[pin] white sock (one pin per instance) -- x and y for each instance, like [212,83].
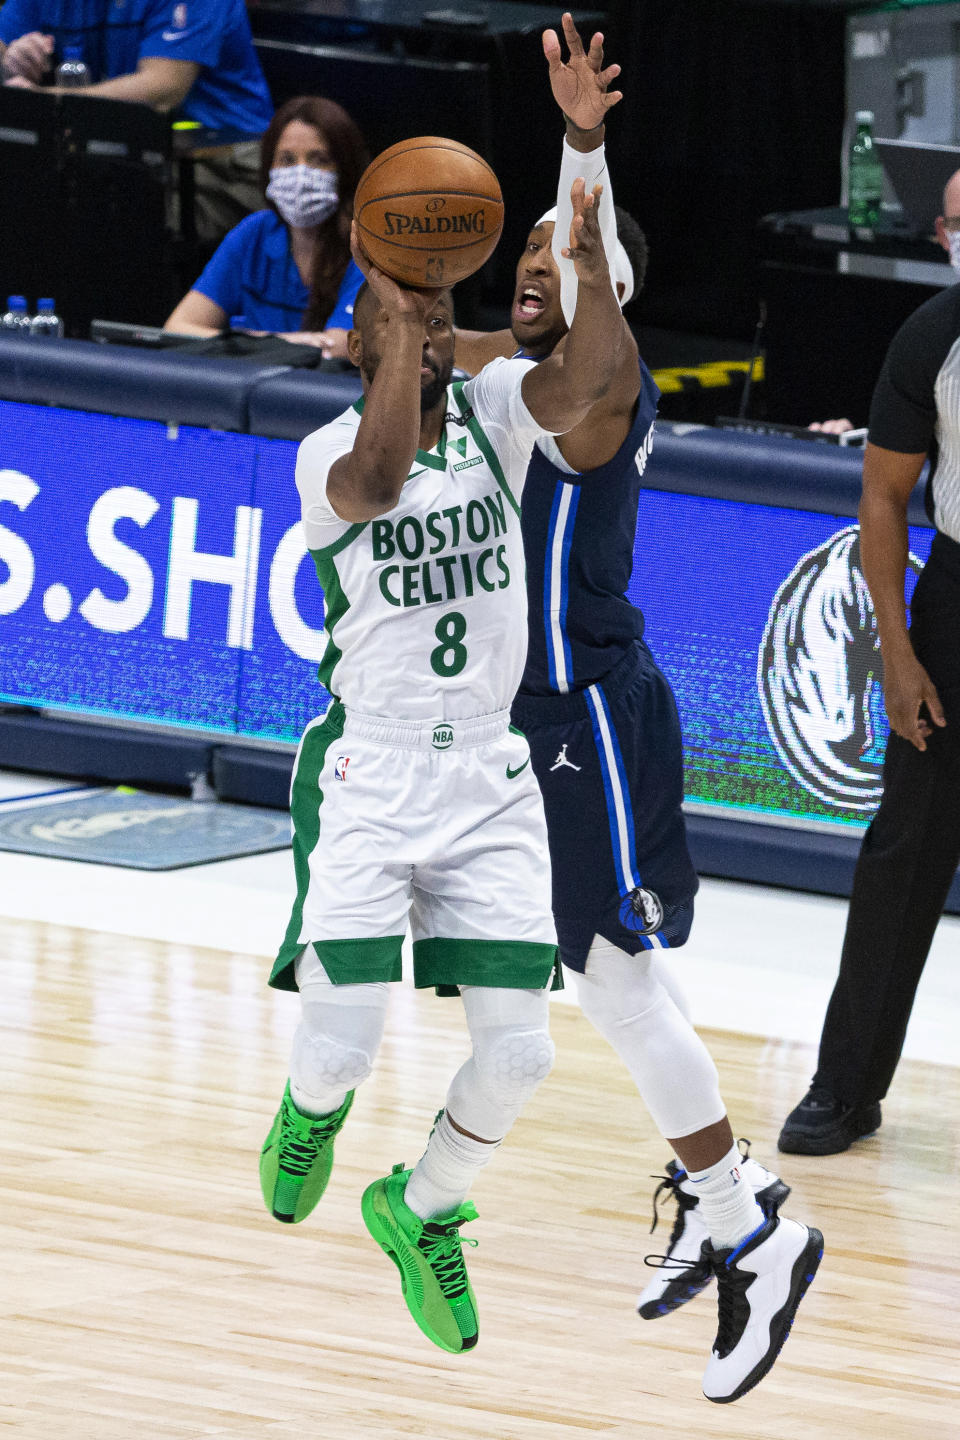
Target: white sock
[757,1176]
[440,1181]
[313,1108]
[727,1202]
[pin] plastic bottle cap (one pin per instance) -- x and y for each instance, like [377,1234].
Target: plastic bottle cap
[46,305]
[864,117]
[72,52]
[17,302]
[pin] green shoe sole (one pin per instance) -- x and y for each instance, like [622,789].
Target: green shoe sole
[383,1228]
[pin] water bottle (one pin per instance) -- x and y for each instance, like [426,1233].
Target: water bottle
[72,72]
[46,324]
[16,321]
[866,175]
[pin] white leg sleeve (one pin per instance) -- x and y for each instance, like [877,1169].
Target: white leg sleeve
[339,1034]
[512,1053]
[664,971]
[624,999]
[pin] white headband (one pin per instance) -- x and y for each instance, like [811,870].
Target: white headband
[621,268]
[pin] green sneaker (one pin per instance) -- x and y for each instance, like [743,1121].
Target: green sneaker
[297,1158]
[427,1253]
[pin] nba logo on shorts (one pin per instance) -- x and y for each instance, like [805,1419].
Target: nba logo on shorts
[180,17]
[442,737]
[340,769]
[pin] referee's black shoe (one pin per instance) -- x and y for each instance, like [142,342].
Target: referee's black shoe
[822,1124]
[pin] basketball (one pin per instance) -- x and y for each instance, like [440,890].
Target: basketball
[429,211]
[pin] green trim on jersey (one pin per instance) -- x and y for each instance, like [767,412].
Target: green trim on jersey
[327,552]
[500,964]
[335,602]
[422,457]
[306,800]
[435,462]
[370,959]
[481,441]
[335,606]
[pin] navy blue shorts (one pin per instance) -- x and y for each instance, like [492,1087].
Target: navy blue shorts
[609,760]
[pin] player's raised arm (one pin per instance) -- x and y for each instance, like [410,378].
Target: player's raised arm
[390,343]
[560,392]
[580,87]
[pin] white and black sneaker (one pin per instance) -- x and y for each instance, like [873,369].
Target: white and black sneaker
[760,1283]
[682,1272]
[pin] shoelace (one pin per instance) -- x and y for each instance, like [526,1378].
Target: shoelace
[297,1153]
[733,1308]
[441,1244]
[671,1262]
[671,1184]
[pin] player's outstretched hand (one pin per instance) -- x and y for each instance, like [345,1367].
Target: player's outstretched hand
[398,300]
[586,243]
[580,86]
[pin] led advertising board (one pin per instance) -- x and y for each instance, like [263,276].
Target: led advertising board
[159,574]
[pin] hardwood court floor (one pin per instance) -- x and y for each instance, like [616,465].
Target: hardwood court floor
[147,1293]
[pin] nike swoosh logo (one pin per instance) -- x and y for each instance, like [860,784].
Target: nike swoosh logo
[512,774]
[171,35]
[414,473]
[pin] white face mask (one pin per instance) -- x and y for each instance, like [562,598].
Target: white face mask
[303,194]
[953,236]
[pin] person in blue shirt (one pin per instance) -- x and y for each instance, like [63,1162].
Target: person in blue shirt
[287,269]
[194,58]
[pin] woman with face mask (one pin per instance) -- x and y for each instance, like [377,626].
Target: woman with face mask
[286,270]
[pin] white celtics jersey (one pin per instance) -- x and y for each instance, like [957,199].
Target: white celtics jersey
[425,607]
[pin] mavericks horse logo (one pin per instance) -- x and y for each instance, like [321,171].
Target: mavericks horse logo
[820,676]
[641,911]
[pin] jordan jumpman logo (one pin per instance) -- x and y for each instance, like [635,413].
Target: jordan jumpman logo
[562,760]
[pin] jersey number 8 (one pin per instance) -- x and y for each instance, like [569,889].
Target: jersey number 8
[450,655]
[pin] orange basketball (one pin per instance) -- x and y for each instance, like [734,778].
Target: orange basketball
[429,211]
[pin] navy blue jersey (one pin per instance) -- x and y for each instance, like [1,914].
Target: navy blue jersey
[578,536]
[599,715]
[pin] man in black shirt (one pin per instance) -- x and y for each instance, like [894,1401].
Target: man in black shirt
[910,852]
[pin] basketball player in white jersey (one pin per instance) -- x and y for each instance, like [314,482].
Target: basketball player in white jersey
[413,801]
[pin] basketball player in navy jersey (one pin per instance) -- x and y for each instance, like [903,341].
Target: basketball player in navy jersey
[605,742]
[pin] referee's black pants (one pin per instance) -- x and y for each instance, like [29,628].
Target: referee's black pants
[907,862]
